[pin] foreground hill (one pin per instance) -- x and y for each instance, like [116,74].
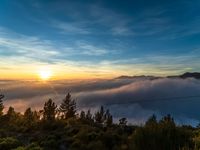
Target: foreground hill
[63,128]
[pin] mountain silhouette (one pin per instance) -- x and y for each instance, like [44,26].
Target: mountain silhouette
[195,75]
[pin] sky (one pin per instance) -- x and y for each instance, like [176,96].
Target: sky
[98,39]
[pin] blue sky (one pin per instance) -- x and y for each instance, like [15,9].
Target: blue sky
[100,38]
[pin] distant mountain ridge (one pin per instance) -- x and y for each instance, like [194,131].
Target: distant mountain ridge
[138,77]
[195,75]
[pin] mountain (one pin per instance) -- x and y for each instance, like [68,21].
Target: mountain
[195,75]
[138,77]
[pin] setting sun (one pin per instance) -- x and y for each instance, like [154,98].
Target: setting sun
[45,74]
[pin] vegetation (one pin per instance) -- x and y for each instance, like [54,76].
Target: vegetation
[62,128]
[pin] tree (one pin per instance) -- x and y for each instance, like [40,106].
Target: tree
[36,115]
[88,116]
[168,121]
[82,115]
[13,118]
[68,107]
[11,114]
[99,116]
[30,117]
[108,118]
[151,122]
[122,122]
[49,110]
[1,104]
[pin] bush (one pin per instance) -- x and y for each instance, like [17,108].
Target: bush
[9,143]
[32,146]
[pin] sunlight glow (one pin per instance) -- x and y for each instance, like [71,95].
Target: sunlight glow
[45,74]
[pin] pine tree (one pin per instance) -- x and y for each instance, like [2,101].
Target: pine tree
[36,115]
[100,116]
[11,114]
[1,104]
[167,120]
[11,111]
[29,117]
[88,116]
[82,115]
[108,118]
[68,107]
[122,122]
[49,110]
[151,122]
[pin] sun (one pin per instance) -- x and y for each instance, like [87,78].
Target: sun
[45,74]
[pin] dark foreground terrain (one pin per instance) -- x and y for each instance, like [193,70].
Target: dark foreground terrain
[62,128]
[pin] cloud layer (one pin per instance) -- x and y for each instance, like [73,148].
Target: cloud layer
[135,99]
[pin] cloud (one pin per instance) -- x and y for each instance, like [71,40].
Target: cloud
[71,28]
[18,50]
[117,23]
[92,20]
[135,99]
[14,44]
[142,90]
[138,100]
[87,49]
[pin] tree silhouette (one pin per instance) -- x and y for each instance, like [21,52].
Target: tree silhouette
[12,117]
[49,110]
[89,117]
[82,115]
[68,107]
[108,118]
[1,104]
[30,117]
[11,113]
[122,122]
[100,116]
[152,121]
[167,120]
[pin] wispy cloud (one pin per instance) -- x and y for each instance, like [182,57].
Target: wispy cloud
[41,49]
[27,53]
[156,64]
[20,45]
[161,22]
[17,49]
[157,22]
[116,23]
[92,20]
[87,49]
[71,28]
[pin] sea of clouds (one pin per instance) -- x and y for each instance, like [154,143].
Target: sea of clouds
[136,98]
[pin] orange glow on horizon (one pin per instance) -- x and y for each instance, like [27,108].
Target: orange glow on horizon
[50,75]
